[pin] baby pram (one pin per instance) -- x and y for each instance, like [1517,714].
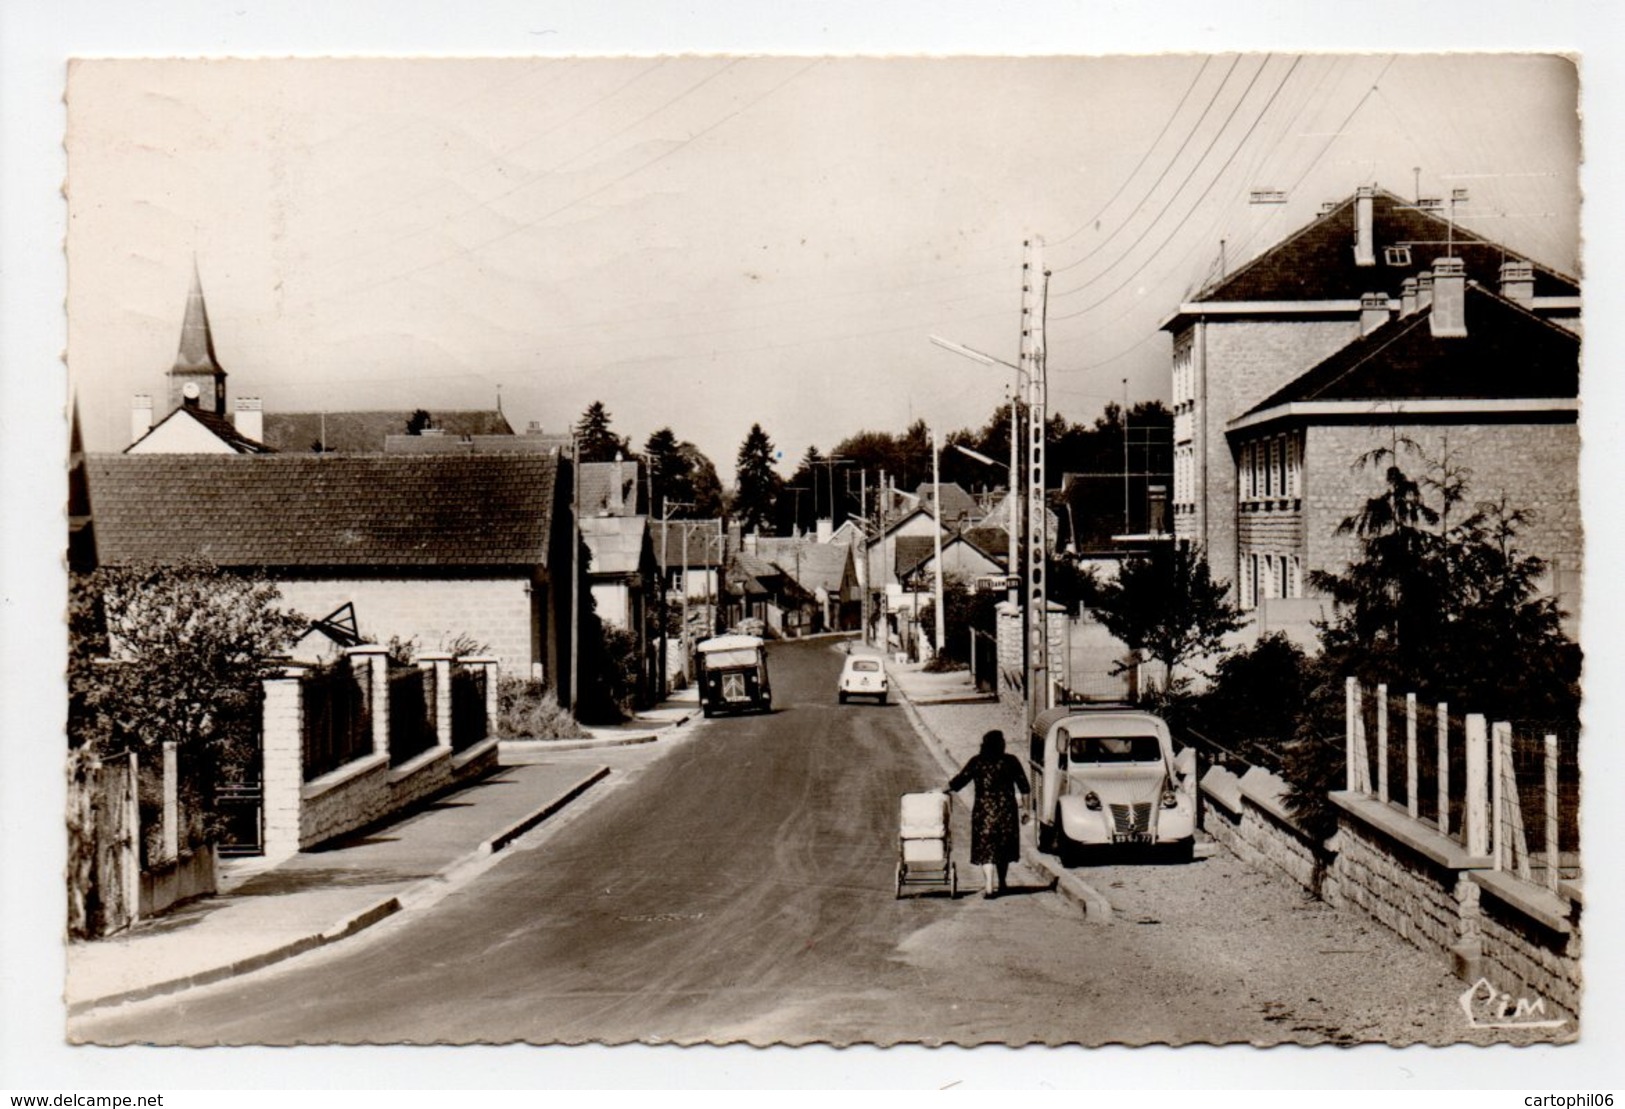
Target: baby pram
[925,843]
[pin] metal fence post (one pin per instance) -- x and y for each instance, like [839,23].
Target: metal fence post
[1552,858]
[1444,768]
[1352,751]
[1497,796]
[1411,805]
[172,802]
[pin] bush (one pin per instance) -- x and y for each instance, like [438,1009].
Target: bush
[526,710]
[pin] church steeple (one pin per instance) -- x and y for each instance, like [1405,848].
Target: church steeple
[195,362]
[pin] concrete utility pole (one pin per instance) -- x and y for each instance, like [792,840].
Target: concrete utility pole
[863,551]
[575,568]
[1034,306]
[936,532]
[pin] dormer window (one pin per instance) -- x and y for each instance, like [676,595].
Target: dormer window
[1396,255]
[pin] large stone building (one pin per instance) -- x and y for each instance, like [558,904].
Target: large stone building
[1337,338]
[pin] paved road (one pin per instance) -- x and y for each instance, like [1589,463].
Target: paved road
[736,883]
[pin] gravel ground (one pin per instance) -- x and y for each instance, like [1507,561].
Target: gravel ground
[1286,967]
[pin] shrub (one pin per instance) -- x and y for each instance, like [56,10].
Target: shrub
[527,710]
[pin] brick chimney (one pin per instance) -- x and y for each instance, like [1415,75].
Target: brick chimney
[1449,319]
[140,416]
[826,528]
[1365,247]
[613,504]
[1424,290]
[249,419]
[1518,282]
[1373,311]
[1407,297]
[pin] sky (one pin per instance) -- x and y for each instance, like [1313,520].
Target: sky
[364,241]
[708,241]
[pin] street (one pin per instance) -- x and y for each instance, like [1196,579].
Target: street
[735,883]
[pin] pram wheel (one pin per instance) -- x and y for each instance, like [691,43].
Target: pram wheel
[899,894]
[953,881]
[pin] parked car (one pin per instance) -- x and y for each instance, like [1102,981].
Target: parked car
[732,674]
[863,676]
[1108,777]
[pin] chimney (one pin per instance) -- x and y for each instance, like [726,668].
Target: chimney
[613,505]
[1449,319]
[750,542]
[1424,290]
[1518,282]
[1365,250]
[250,420]
[533,428]
[826,528]
[1407,297]
[1373,311]
[140,416]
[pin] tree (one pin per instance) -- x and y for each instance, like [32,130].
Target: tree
[682,476]
[757,484]
[173,653]
[418,422]
[1168,606]
[595,442]
[1451,607]
[962,610]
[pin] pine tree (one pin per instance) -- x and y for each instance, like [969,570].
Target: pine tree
[757,484]
[595,442]
[1168,606]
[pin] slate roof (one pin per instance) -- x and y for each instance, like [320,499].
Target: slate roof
[810,564]
[218,426]
[1316,262]
[616,543]
[992,542]
[956,503]
[476,444]
[1508,353]
[364,432]
[914,551]
[308,510]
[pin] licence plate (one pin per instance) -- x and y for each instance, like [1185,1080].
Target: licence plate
[1132,837]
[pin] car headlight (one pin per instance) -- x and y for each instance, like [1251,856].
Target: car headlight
[1170,799]
[1091,802]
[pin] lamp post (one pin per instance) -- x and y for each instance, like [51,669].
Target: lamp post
[936,532]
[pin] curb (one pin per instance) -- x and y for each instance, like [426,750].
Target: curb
[517,747]
[346,926]
[1096,909]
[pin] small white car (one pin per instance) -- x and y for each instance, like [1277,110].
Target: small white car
[863,676]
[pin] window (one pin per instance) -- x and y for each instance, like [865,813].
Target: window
[1249,580]
[1293,483]
[1276,481]
[1397,255]
[1295,577]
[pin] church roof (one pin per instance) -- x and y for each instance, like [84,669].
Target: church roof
[436,512]
[196,353]
[365,432]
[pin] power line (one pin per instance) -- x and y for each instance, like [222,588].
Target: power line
[1189,135]
[1124,283]
[1143,159]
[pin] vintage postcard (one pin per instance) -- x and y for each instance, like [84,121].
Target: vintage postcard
[782,550]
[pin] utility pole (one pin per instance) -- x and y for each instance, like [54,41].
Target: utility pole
[575,568]
[1034,306]
[1127,527]
[936,532]
[863,551]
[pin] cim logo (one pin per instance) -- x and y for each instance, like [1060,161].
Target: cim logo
[1488,1007]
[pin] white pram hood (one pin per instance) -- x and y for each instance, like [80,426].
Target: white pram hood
[924,815]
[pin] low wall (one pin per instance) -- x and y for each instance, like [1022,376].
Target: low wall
[181,880]
[1422,886]
[369,790]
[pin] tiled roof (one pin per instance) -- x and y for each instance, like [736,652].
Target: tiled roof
[1508,353]
[598,482]
[476,444]
[218,426]
[992,542]
[1317,261]
[956,503]
[616,543]
[307,510]
[811,565]
[914,551]
[364,432]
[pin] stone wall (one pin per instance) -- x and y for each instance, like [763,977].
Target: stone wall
[1010,631]
[1524,940]
[179,880]
[496,612]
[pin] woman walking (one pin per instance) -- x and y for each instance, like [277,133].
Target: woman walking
[995,828]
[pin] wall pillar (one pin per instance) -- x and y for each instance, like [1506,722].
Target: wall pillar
[440,663]
[373,659]
[172,802]
[283,754]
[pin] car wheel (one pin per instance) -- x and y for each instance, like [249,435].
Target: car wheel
[1184,851]
[1067,850]
[883,698]
[1046,838]
[706,711]
[842,697]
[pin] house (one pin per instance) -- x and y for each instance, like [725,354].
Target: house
[611,489]
[1256,330]
[1467,372]
[968,555]
[758,589]
[826,571]
[429,548]
[692,555]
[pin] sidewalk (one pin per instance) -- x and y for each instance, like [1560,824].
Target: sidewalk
[951,716]
[265,913]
